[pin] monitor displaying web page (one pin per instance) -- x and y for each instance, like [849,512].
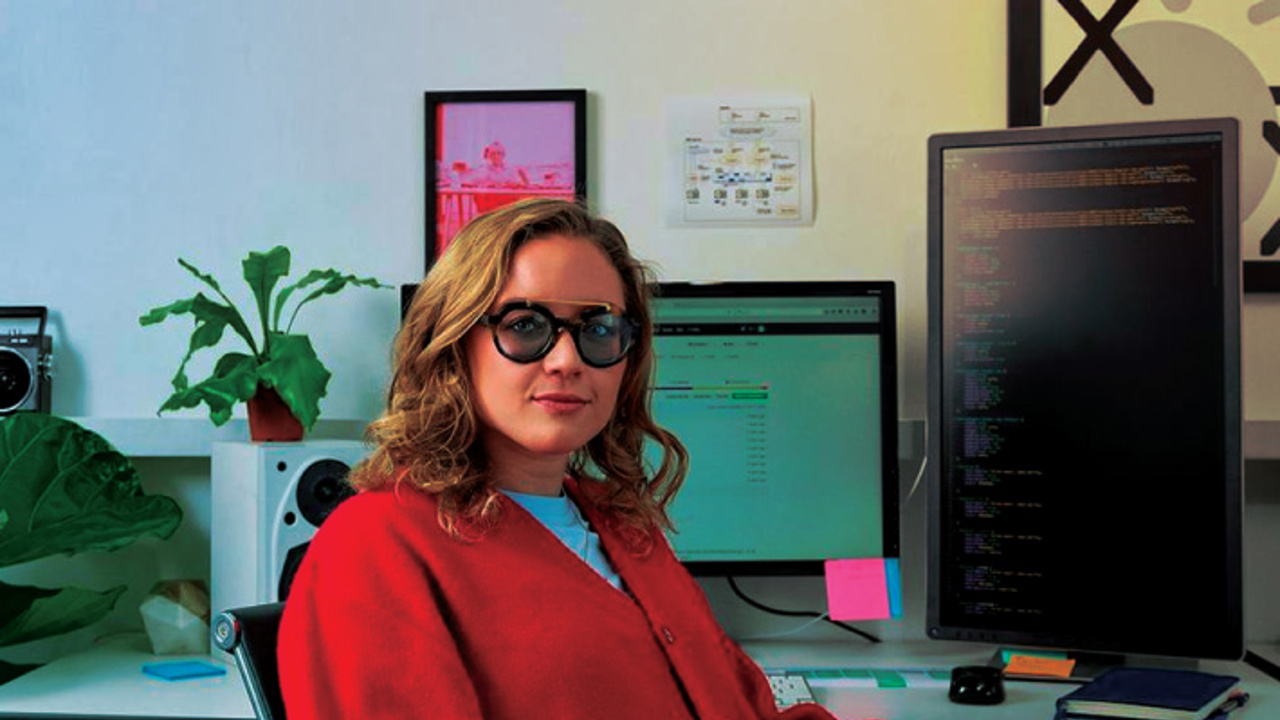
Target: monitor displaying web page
[785,395]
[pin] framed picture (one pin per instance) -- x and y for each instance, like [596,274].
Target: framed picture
[1077,62]
[489,148]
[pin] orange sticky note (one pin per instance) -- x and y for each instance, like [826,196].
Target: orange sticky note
[857,589]
[1042,666]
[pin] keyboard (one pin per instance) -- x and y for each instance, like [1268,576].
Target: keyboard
[789,689]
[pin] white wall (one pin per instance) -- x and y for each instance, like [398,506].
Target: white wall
[135,133]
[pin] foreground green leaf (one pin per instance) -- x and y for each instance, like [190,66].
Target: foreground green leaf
[30,613]
[65,489]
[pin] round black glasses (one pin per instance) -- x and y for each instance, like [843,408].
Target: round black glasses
[525,331]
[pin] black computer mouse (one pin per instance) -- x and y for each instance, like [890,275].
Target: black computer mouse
[976,685]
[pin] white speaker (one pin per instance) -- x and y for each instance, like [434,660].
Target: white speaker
[268,499]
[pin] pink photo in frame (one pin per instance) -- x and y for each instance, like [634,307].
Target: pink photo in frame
[489,148]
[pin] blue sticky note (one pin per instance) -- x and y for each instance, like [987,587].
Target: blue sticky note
[183,670]
[893,578]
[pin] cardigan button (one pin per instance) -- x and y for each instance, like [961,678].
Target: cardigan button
[666,633]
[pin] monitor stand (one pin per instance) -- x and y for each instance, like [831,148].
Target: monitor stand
[1089,665]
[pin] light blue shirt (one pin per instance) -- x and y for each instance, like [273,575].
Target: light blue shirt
[565,521]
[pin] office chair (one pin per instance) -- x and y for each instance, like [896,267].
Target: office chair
[249,634]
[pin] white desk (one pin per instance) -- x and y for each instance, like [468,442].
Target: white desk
[1024,700]
[107,682]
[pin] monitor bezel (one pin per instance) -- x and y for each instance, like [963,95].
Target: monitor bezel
[884,289]
[1231,645]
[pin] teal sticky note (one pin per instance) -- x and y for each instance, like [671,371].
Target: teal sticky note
[893,578]
[888,679]
[1007,653]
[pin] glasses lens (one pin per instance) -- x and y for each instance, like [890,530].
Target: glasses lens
[604,339]
[523,333]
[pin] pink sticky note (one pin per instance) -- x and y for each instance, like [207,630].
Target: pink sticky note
[857,589]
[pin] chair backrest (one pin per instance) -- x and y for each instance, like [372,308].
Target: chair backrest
[249,634]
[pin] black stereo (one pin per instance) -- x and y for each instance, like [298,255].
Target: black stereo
[25,363]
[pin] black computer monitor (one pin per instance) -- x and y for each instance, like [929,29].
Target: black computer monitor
[785,394]
[1084,453]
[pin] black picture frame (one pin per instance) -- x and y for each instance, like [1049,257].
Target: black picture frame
[546,131]
[1026,91]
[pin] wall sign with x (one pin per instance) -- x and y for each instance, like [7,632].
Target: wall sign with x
[1098,37]
[1028,98]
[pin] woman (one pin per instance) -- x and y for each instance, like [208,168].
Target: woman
[505,557]
[497,183]
[495,172]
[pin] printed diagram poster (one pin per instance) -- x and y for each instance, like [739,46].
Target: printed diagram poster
[741,162]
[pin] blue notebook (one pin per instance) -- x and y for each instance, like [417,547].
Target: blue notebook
[1148,694]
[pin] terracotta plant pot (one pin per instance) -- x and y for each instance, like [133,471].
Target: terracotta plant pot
[270,419]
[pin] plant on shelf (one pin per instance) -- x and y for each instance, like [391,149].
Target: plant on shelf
[280,377]
[65,490]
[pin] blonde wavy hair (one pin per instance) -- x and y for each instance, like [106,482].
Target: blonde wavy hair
[428,435]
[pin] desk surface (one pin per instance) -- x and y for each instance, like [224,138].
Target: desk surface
[1024,700]
[107,682]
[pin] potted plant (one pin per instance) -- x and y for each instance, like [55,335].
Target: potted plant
[65,490]
[280,376]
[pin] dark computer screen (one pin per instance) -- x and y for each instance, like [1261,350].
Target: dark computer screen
[1084,388]
[785,395]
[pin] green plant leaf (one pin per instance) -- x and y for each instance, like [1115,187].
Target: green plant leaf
[334,282]
[65,490]
[30,613]
[238,321]
[206,278]
[310,278]
[234,379]
[158,314]
[299,377]
[294,370]
[262,271]
[212,319]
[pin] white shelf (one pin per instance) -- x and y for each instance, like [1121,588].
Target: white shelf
[194,437]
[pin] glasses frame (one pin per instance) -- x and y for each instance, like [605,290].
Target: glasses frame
[573,326]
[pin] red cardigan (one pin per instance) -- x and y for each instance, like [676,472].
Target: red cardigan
[389,617]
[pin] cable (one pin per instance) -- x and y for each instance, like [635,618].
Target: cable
[792,631]
[799,613]
[924,462]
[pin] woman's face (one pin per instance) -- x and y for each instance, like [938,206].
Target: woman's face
[550,407]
